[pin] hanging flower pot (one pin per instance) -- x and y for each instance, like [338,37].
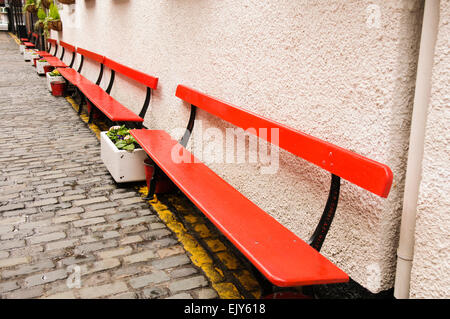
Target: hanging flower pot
[55,25]
[46,3]
[67,1]
[31,8]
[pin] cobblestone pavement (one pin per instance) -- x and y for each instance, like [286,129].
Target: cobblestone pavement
[62,215]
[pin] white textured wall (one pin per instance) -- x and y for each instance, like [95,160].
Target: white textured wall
[322,67]
[431,266]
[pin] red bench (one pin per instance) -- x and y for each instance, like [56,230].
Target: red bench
[283,258]
[26,41]
[42,54]
[101,99]
[58,62]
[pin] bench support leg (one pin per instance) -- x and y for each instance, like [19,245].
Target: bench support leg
[151,175]
[82,101]
[91,112]
[322,228]
[267,288]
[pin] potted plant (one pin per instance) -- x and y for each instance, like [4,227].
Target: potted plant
[29,55]
[40,66]
[46,3]
[53,76]
[54,19]
[30,6]
[41,18]
[122,155]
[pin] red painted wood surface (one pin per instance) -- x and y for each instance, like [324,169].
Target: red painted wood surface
[102,100]
[364,172]
[44,54]
[56,62]
[52,41]
[138,76]
[280,255]
[91,55]
[67,46]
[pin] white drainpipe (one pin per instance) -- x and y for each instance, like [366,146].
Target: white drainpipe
[405,250]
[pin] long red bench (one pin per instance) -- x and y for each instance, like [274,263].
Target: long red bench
[101,99]
[279,255]
[41,53]
[27,42]
[56,62]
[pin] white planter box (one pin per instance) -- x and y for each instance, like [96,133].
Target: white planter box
[40,67]
[22,48]
[51,79]
[124,166]
[34,56]
[28,53]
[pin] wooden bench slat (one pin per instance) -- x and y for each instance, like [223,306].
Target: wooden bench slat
[91,55]
[56,62]
[114,110]
[281,256]
[70,75]
[44,54]
[366,173]
[138,76]
[67,46]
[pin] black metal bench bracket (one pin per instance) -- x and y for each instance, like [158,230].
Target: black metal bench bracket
[146,103]
[185,139]
[81,64]
[321,231]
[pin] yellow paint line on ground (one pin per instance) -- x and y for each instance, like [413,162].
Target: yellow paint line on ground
[198,255]
[16,39]
[94,128]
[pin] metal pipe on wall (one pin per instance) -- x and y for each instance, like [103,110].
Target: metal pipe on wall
[405,250]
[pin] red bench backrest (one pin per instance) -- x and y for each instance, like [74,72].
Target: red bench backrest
[138,76]
[366,173]
[52,41]
[67,46]
[91,55]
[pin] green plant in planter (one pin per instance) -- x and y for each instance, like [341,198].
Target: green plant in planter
[41,18]
[52,18]
[30,6]
[121,137]
[55,72]
[42,61]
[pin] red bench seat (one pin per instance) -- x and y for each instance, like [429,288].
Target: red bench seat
[283,258]
[262,239]
[56,62]
[44,54]
[114,110]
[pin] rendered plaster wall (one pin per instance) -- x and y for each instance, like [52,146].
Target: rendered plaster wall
[342,71]
[431,265]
